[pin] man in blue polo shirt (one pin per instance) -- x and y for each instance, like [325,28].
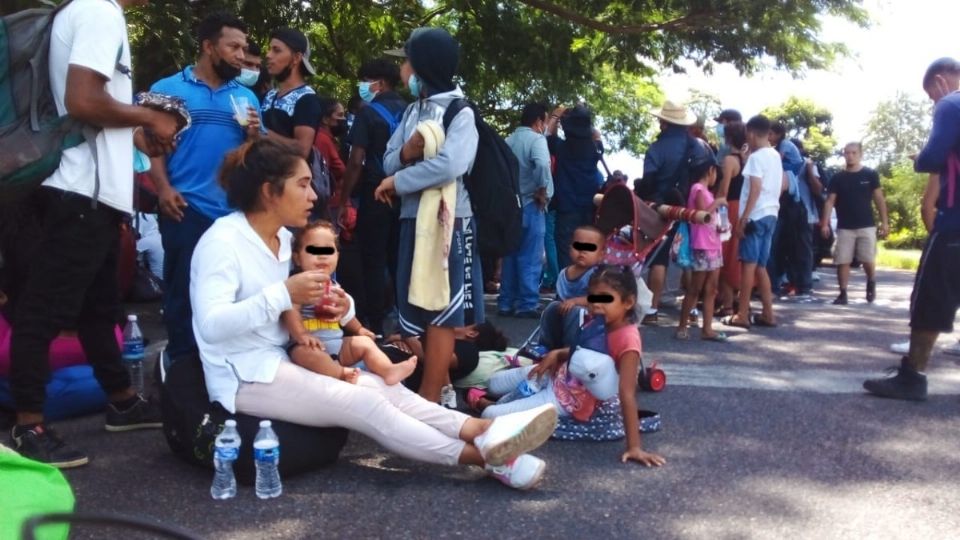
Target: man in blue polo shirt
[936,291]
[190,196]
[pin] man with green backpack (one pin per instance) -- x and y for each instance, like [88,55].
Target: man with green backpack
[74,128]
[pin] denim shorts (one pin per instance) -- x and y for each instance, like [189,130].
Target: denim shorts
[755,245]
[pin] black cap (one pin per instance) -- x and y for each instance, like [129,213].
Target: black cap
[297,42]
[729,115]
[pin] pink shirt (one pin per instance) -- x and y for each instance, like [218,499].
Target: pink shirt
[572,395]
[706,236]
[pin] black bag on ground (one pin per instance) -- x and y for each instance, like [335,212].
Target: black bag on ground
[494,186]
[191,423]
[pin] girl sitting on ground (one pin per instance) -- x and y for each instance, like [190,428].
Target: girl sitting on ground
[317,339]
[612,295]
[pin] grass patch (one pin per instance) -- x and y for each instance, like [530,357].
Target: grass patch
[901,259]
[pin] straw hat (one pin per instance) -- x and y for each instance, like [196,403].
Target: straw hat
[675,114]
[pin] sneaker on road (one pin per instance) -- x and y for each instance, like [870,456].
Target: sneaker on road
[514,434]
[901,348]
[953,349]
[144,414]
[42,444]
[448,397]
[524,472]
[907,384]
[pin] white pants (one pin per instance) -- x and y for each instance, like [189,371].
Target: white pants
[401,421]
[504,382]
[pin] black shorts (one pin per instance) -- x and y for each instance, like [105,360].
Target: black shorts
[936,289]
[661,253]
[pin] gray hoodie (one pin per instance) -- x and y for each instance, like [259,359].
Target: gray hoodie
[454,160]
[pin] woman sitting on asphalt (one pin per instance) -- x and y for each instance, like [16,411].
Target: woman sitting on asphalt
[239,288]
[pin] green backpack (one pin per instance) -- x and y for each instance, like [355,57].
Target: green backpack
[32,133]
[31,488]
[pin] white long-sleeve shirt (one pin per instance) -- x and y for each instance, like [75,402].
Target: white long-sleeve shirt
[237,292]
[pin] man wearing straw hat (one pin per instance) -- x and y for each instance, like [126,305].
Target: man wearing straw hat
[665,181]
[224,115]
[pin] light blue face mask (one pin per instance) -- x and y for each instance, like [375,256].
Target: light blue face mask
[141,162]
[248,77]
[719,130]
[363,88]
[414,85]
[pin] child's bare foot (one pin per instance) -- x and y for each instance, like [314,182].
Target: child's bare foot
[398,372]
[351,375]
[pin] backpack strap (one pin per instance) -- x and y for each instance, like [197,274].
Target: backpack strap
[393,121]
[453,110]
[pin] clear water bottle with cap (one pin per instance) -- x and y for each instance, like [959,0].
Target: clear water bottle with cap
[266,455]
[226,449]
[133,352]
[723,224]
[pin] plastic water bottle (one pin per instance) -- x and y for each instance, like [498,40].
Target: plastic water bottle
[133,352]
[724,224]
[266,454]
[528,387]
[225,452]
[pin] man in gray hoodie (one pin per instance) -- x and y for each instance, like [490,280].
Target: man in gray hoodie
[431,63]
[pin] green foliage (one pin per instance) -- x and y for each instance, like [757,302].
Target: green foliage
[560,51]
[897,128]
[808,122]
[903,190]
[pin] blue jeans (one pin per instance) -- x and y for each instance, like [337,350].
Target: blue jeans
[557,330]
[567,222]
[179,240]
[521,270]
[755,245]
[552,269]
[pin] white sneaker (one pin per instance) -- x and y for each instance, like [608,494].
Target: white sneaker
[514,434]
[524,472]
[953,349]
[815,277]
[903,347]
[448,397]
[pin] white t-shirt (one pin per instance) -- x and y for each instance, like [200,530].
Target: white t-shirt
[765,164]
[93,34]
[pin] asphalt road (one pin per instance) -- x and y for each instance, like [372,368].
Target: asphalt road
[767,436]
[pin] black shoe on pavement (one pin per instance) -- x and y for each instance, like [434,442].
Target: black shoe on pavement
[651,319]
[871,291]
[42,444]
[907,384]
[143,414]
[841,299]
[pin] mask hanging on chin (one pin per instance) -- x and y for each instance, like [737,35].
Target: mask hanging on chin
[225,71]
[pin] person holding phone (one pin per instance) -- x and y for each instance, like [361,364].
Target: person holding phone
[759,206]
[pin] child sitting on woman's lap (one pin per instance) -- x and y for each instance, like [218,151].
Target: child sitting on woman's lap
[317,339]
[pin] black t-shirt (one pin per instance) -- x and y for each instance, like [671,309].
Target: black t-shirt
[371,132]
[854,192]
[298,107]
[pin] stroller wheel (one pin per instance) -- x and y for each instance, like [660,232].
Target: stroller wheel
[656,379]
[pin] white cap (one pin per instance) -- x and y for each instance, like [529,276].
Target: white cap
[132,318]
[230,423]
[596,371]
[265,423]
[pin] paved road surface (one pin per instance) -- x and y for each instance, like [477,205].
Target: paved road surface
[768,436]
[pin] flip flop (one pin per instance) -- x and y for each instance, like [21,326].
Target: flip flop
[730,321]
[719,337]
[682,335]
[757,320]
[474,395]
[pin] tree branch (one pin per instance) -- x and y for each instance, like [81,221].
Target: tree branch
[687,21]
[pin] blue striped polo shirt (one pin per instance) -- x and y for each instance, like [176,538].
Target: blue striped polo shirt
[194,166]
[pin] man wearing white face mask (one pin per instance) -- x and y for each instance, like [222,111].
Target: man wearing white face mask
[253,75]
[377,223]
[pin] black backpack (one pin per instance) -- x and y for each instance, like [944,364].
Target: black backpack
[494,187]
